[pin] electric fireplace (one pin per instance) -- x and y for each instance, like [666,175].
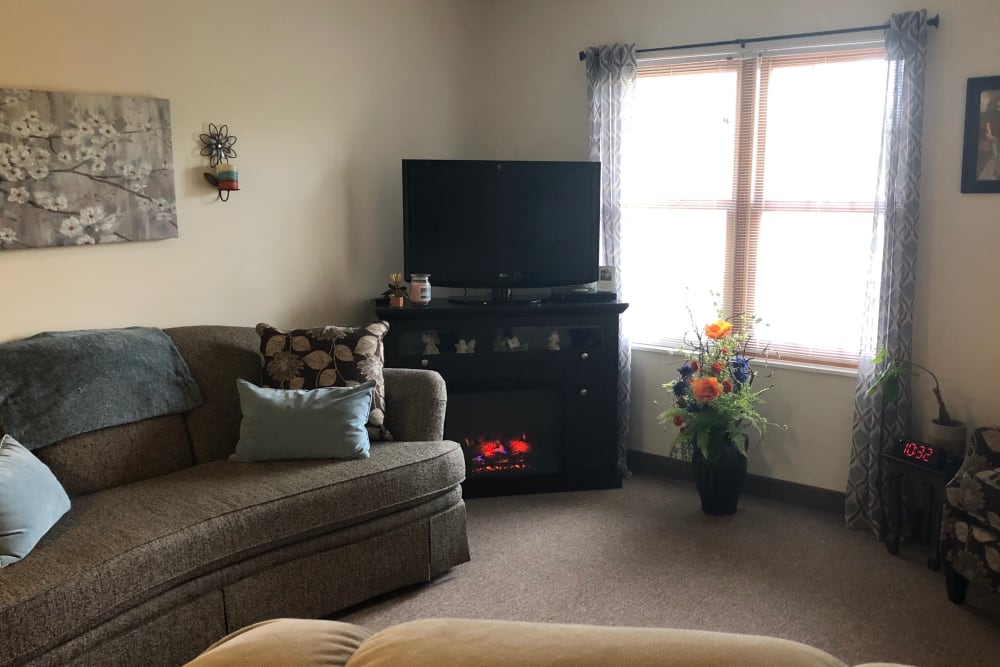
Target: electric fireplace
[506,432]
[532,389]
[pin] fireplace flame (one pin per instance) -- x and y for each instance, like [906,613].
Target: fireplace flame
[492,448]
[519,447]
[488,454]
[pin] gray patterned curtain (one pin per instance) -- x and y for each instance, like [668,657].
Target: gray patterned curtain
[889,312]
[610,77]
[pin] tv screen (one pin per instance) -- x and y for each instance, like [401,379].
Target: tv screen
[498,224]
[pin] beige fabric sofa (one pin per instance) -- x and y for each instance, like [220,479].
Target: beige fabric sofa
[169,546]
[483,643]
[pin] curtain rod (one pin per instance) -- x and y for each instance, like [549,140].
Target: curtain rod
[934,21]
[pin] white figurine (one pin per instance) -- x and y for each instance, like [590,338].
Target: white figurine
[430,340]
[463,347]
[554,340]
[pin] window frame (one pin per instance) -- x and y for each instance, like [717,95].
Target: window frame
[747,205]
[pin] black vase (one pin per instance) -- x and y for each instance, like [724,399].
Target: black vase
[719,486]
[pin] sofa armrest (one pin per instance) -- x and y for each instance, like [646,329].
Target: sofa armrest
[415,401]
[985,450]
[286,641]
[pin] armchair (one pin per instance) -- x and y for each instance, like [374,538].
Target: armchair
[970,529]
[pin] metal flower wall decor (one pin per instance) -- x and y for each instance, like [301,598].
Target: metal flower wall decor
[79,169]
[217,145]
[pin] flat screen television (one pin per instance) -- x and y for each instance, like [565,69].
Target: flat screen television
[501,224]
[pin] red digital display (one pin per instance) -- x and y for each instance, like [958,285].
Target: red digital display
[918,452]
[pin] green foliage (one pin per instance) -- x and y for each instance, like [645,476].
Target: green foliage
[890,376]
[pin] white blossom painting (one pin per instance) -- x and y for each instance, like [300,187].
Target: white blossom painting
[84,169]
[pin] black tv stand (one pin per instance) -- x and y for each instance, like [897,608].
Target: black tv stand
[549,371]
[497,297]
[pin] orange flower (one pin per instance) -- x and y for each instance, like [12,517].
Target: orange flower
[705,389]
[716,368]
[718,329]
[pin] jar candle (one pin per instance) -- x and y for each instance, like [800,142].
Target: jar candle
[420,289]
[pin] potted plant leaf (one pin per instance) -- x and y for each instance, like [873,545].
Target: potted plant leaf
[944,430]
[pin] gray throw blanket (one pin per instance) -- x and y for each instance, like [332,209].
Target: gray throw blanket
[59,384]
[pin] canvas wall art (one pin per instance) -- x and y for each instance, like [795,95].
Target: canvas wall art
[79,169]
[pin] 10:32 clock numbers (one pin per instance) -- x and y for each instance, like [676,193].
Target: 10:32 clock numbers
[917,451]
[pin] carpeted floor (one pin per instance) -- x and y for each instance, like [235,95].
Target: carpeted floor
[645,555]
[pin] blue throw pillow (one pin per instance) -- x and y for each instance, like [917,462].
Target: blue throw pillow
[325,423]
[31,500]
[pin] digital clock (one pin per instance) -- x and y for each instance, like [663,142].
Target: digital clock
[920,453]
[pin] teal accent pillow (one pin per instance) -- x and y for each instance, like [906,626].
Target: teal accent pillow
[31,501]
[281,424]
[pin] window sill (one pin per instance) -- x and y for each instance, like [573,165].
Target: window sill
[770,362]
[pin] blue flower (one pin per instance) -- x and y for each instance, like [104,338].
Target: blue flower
[680,388]
[739,367]
[686,371]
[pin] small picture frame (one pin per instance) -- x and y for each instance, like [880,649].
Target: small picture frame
[981,148]
[606,278]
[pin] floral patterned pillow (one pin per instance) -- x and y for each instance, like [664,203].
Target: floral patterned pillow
[327,357]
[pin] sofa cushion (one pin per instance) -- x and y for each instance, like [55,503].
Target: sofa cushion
[285,424]
[327,357]
[492,643]
[119,455]
[120,547]
[31,500]
[217,355]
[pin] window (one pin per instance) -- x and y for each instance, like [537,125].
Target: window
[754,179]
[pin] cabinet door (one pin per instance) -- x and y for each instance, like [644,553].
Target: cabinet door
[590,425]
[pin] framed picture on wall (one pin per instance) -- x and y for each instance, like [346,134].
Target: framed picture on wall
[981,154]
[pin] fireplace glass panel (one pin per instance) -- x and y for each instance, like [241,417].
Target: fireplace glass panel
[510,432]
[479,341]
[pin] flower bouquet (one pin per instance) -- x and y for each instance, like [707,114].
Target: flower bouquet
[714,403]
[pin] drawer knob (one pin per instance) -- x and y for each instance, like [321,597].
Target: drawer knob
[424,362]
[585,355]
[583,392]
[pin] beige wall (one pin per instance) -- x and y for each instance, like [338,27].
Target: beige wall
[536,109]
[325,96]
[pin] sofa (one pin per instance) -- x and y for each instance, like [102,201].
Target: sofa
[970,525]
[169,545]
[446,642]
